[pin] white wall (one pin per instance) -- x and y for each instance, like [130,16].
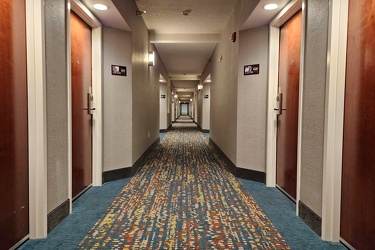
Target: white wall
[252,100]
[117,100]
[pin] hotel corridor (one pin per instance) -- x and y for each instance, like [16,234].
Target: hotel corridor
[182,198]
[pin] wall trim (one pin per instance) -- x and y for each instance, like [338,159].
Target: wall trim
[273,74]
[37,118]
[247,174]
[252,175]
[334,119]
[117,174]
[310,218]
[201,129]
[58,215]
[142,160]
[228,163]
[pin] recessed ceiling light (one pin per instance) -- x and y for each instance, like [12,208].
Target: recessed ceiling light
[271,6]
[100,6]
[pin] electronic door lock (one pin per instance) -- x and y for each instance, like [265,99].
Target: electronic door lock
[279,103]
[90,100]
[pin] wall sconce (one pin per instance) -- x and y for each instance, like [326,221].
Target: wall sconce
[200,87]
[151,58]
[191,99]
[175,96]
[140,12]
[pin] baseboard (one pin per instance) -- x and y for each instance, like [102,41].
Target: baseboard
[57,215]
[231,167]
[251,175]
[201,129]
[310,218]
[141,161]
[117,174]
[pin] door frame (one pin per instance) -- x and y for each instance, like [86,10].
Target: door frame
[273,79]
[37,118]
[334,119]
[37,108]
[97,121]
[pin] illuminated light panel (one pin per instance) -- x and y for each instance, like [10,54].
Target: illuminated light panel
[100,6]
[271,6]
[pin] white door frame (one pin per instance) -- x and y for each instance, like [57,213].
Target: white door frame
[334,119]
[273,79]
[37,118]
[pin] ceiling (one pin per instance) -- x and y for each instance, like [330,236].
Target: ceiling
[185,42]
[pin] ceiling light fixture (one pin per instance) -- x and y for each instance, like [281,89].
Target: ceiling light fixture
[140,12]
[271,6]
[100,6]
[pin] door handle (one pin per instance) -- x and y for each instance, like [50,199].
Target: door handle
[90,108]
[279,104]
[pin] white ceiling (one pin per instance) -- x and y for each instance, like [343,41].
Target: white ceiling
[185,43]
[110,17]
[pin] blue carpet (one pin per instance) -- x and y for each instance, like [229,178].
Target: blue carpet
[207,135]
[162,136]
[281,211]
[87,209]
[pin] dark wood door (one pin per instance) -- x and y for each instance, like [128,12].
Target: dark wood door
[358,176]
[14,185]
[287,124]
[80,34]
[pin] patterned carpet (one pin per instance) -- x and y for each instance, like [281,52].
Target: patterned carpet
[183,198]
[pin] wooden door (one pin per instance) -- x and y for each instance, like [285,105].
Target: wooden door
[80,34]
[287,124]
[358,176]
[14,185]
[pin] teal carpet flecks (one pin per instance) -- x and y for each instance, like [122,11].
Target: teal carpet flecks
[184,198]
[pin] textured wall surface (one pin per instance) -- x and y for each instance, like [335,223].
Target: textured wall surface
[206,106]
[117,100]
[224,77]
[163,106]
[252,100]
[145,82]
[57,106]
[314,87]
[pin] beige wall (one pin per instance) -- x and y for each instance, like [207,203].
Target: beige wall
[252,100]
[206,106]
[57,103]
[145,82]
[224,77]
[117,100]
[163,106]
[314,87]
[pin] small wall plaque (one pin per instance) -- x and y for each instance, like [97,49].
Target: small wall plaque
[162,96]
[251,69]
[206,96]
[118,70]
